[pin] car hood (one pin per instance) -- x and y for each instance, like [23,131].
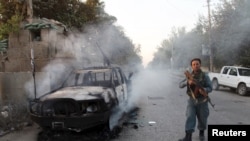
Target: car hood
[81,93]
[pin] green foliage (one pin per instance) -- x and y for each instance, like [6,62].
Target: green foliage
[3,46]
[37,26]
[12,13]
[231,33]
[10,8]
[72,13]
[12,25]
[244,53]
[178,49]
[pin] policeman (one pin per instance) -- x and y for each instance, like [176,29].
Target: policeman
[197,106]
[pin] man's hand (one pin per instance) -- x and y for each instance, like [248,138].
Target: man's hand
[201,91]
[190,82]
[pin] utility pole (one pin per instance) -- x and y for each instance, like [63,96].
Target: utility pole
[209,37]
[29,6]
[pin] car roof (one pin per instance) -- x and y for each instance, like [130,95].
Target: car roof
[237,67]
[91,70]
[95,69]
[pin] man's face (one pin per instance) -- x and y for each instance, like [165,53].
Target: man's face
[196,65]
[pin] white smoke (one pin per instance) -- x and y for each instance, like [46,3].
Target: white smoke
[78,50]
[146,83]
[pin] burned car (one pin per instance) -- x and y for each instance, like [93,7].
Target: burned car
[85,100]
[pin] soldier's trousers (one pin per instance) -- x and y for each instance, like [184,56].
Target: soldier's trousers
[195,111]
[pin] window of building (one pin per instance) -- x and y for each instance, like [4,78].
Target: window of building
[36,35]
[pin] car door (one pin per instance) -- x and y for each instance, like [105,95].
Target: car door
[118,86]
[123,83]
[223,80]
[232,78]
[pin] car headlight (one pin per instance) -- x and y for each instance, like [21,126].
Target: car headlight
[92,108]
[49,112]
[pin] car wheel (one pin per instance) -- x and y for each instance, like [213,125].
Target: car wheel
[215,84]
[44,135]
[242,89]
[104,135]
[109,131]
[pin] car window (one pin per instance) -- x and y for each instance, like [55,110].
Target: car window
[102,78]
[116,77]
[225,70]
[121,75]
[99,79]
[233,72]
[90,78]
[244,72]
[120,78]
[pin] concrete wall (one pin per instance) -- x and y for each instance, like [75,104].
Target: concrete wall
[19,51]
[18,86]
[16,81]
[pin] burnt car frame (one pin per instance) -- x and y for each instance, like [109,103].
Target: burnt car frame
[86,99]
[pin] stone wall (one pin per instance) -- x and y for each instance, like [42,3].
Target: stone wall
[17,71]
[19,51]
[18,86]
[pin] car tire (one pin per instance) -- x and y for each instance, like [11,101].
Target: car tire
[242,89]
[44,135]
[215,84]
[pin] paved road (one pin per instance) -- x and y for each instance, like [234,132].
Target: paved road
[161,113]
[163,102]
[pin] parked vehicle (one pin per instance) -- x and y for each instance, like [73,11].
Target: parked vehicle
[234,77]
[86,99]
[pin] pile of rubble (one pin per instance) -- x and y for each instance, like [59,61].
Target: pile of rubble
[13,117]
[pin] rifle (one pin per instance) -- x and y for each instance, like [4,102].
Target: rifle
[198,88]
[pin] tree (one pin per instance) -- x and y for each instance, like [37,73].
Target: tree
[178,49]
[72,13]
[76,15]
[12,14]
[118,48]
[229,36]
[231,32]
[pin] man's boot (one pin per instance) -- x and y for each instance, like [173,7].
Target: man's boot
[201,135]
[188,137]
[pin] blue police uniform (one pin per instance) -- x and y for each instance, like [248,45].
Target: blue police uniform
[198,107]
